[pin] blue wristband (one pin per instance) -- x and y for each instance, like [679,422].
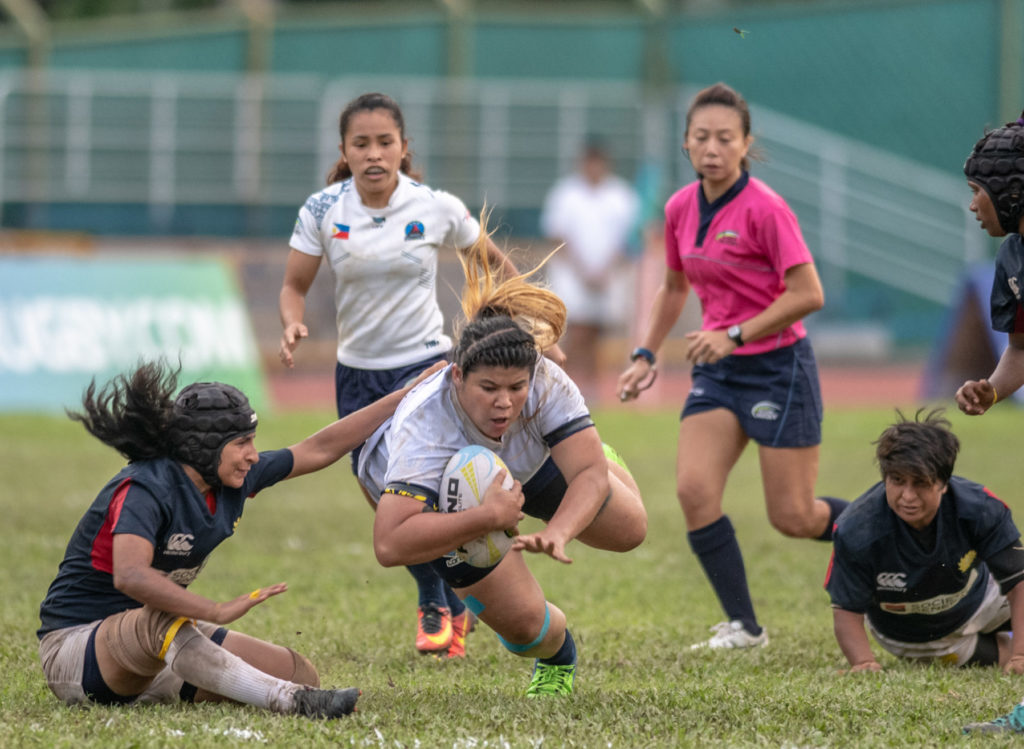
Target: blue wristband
[645,353]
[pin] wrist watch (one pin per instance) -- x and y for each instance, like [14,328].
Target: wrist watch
[735,335]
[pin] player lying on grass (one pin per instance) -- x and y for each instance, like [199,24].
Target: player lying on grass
[500,393]
[932,561]
[119,624]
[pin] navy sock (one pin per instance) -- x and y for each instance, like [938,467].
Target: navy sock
[430,586]
[719,553]
[566,655]
[836,507]
[455,604]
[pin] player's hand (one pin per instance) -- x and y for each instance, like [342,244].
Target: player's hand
[975,397]
[708,346]
[862,667]
[635,380]
[1015,665]
[505,505]
[293,333]
[545,542]
[435,367]
[228,611]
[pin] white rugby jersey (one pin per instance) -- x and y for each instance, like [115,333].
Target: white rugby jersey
[384,262]
[429,427]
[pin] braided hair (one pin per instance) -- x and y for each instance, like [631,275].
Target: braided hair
[507,324]
[997,164]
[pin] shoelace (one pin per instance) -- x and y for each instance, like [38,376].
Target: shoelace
[431,621]
[552,680]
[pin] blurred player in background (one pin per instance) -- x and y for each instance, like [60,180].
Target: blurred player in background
[381,231]
[933,561]
[501,393]
[592,214]
[737,243]
[119,624]
[995,175]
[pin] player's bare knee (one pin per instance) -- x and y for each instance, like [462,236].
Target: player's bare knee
[535,637]
[137,639]
[795,525]
[305,672]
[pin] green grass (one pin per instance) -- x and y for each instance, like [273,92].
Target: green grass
[633,615]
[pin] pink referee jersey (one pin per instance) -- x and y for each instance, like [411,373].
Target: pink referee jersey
[737,270]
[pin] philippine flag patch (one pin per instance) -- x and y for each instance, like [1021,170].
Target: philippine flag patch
[342,232]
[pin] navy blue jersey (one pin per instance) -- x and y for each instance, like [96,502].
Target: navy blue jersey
[910,593]
[154,499]
[1007,313]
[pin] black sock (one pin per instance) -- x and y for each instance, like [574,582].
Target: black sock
[428,584]
[719,553]
[566,655]
[836,507]
[455,604]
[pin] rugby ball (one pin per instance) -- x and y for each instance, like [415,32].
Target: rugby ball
[463,483]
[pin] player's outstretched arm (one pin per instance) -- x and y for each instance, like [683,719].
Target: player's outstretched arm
[338,439]
[975,397]
[853,640]
[135,576]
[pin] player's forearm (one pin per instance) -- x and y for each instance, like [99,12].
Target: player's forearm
[853,640]
[584,497]
[1008,375]
[291,306]
[152,588]
[668,305]
[426,536]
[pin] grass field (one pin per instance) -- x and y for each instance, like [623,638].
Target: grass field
[633,615]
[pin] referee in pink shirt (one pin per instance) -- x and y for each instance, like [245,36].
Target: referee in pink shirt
[739,246]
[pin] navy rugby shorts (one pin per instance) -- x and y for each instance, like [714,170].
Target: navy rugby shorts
[356,388]
[775,395]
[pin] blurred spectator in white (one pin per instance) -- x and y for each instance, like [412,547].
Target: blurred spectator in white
[593,213]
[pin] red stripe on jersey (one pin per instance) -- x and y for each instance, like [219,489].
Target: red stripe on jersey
[989,493]
[1018,320]
[211,502]
[103,545]
[831,561]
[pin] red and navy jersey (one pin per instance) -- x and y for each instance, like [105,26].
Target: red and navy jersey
[912,590]
[1005,300]
[154,499]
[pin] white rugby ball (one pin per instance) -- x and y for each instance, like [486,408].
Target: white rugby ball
[463,483]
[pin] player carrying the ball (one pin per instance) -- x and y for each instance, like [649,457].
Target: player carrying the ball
[501,393]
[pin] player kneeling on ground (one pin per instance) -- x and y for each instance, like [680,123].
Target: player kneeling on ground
[933,560]
[118,623]
[501,394]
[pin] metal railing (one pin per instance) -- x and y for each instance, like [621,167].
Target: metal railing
[168,140]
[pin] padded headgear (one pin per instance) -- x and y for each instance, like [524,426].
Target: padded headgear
[997,165]
[208,415]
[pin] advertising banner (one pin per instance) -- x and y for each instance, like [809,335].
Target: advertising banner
[66,320]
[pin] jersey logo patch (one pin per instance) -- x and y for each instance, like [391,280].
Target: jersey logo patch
[342,232]
[727,237]
[180,544]
[1014,286]
[413,231]
[766,410]
[967,560]
[892,580]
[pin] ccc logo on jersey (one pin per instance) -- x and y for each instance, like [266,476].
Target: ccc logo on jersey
[892,580]
[180,543]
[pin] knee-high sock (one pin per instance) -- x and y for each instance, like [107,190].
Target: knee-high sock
[455,604]
[566,655]
[428,584]
[836,507]
[719,553]
[200,661]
